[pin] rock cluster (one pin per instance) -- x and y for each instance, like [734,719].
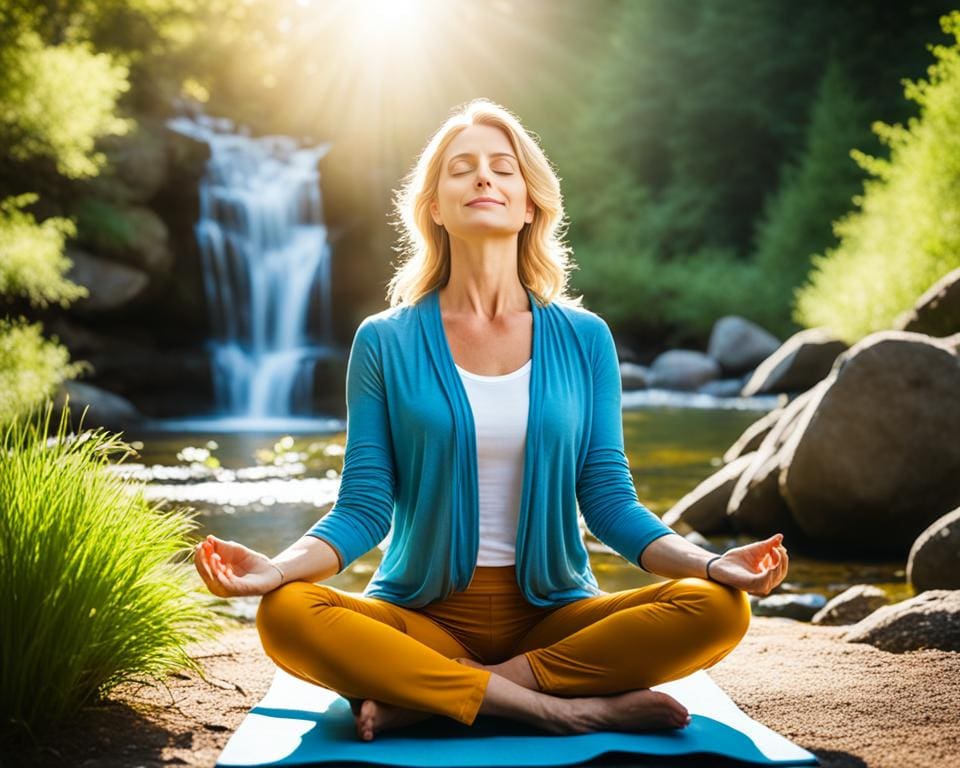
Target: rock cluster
[863,461]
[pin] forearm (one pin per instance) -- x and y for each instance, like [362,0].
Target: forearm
[308,559]
[675,557]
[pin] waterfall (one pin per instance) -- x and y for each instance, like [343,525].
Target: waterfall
[266,270]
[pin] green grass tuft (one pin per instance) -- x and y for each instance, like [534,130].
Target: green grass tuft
[96,586]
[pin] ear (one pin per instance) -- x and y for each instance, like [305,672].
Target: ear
[528,217]
[435,213]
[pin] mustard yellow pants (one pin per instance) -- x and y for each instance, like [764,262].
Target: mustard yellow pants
[367,648]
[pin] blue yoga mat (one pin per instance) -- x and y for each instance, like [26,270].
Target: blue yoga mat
[297,723]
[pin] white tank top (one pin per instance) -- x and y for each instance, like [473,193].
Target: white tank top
[500,405]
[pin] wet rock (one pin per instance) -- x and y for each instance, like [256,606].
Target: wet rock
[111,285]
[105,408]
[873,459]
[937,311]
[634,376]
[789,606]
[929,620]
[705,507]
[934,561]
[797,365]
[682,369]
[851,605]
[722,388]
[739,345]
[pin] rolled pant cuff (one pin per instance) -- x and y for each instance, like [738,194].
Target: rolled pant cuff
[471,705]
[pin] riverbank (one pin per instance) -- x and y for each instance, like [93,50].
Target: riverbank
[848,703]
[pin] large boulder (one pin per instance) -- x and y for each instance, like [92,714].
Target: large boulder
[929,620]
[937,311]
[143,373]
[722,388]
[705,507]
[131,235]
[874,460]
[800,362]
[753,435]
[934,561]
[103,408]
[149,250]
[739,345]
[682,369]
[851,605]
[112,286]
[633,376]
[138,160]
[800,607]
[756,505]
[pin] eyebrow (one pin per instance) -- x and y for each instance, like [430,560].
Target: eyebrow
[471,154]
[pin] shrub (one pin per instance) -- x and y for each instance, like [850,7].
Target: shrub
[904,235]
[96,590]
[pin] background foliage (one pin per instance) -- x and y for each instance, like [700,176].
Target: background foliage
[705,148]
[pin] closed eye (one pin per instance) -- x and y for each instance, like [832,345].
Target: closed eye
[499,173]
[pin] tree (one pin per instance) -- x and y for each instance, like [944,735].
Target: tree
[814,190]
[904,234]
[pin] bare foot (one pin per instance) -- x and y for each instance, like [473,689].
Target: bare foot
[638,710]
[375,716]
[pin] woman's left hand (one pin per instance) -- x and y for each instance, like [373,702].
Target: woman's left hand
[756,568]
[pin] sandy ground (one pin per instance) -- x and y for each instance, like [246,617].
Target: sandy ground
[850,704]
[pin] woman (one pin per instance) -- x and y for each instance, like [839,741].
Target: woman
[484,601]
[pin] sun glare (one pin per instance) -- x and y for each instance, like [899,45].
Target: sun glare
[394,17]
[380,66]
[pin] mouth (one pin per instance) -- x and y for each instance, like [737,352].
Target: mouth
[484,201]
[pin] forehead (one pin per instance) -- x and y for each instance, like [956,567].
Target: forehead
[479,139]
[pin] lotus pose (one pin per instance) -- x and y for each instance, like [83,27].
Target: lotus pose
[483,417]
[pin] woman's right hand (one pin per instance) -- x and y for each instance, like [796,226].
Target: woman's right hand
[230,569]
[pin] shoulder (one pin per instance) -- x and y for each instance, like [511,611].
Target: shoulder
[383,324]
[586,324]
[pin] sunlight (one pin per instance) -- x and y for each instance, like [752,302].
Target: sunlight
[380,28]
[380,20]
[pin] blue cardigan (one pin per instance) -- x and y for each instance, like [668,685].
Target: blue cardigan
[410,460]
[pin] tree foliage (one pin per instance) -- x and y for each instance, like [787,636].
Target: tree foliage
[905,232]
[44,114]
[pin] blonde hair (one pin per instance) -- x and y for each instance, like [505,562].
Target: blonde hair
[544,261]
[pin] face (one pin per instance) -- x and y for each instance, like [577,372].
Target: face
[481,163]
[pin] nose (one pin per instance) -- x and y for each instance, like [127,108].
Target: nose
[483,176]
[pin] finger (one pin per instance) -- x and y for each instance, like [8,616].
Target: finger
[224,566]
[207,574]
[206,571]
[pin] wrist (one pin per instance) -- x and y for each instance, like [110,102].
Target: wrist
[710,562]
[283,577]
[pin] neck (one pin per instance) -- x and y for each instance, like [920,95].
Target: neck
[483,279]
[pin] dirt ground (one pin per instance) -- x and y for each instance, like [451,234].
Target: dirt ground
[850,704]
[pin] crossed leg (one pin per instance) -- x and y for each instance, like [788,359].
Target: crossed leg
[394,658]
[635,638]
[393,664]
